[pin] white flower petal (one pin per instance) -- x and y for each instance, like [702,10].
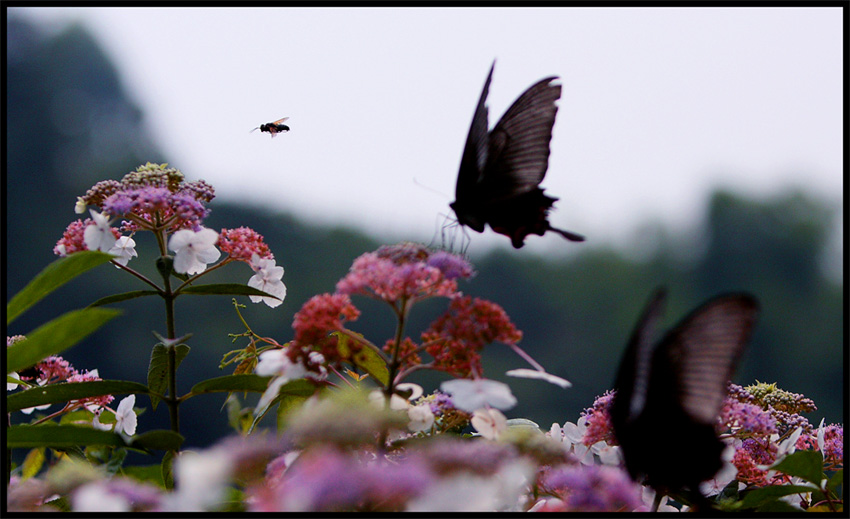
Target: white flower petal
[540,375]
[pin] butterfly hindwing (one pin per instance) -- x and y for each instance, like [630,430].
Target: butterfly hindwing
[519,143]
[703,351]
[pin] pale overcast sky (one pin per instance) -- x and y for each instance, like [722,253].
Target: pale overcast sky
[658,106]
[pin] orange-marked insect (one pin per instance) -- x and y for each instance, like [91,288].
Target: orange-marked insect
[273,127]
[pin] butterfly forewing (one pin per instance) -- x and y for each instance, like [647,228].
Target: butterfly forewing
[475,151]
[704,349]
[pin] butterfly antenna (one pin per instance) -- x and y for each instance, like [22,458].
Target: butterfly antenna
[431,189]
[255,129]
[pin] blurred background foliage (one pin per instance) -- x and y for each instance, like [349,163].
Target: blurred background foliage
[70,124]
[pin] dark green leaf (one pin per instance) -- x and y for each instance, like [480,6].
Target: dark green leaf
[145,473]
[233,289]
[777,507]
[836,480]
[167,469]
[761,496]
[117,298]
[162,439]
[233,383]
[52,277]
[288,404]
[60,393]
[158,368]
[56,336]
[59,436]
[803,464]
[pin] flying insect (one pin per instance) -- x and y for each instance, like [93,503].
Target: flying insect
[274,127]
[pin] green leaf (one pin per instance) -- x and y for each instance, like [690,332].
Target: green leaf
[123,297]
[803,464]
[288,404]
[158,368]
[58,436]
[52,277]
[167,469]
[777,507]
[366,359]
[233,383]
[33,463]
[761,496]
[835,481]
[145,473]
[60,393]
[233,289]
[160,439]
[56,336]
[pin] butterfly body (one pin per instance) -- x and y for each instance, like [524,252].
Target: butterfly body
[501,170]
[274,127]
[669,392]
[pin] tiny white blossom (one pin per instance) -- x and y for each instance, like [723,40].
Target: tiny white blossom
[124,248]
[80,205]
[125,417]
[267,278]
[96,497]
[469,395]
[193,250]
[490,423]
[276,363]
[98,235]
[421,417]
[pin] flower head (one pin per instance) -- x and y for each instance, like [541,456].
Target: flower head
[598,419]
[124,248]
[316,320]
[267,278]
[456,338]
[243,243]
[593,488]
[404,272]
[98,235]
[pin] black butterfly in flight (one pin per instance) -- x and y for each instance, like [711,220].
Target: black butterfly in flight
[501,170]
[669,393]
[274,127]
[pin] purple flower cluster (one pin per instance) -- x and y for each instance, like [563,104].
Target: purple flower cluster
[327,480]
[746,419]
[593,488]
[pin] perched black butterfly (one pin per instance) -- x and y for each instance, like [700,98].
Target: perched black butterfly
[669,393]
[273,127]
[500,171]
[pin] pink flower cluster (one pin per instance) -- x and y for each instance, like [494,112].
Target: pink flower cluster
[456,338]
[55,369]
[243,242]
[593,488]
[404,272]
[598,420]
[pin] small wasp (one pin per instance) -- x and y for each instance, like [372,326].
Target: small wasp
[273,127]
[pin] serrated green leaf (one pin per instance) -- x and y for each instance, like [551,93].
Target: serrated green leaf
[232,384]
[33,462]
[761,496]
[60,393]
[59,436]
[232,289]
[158,368]
[52,277]
[117,298]
[56,336]
[803,464]
[366,359]
[160,439]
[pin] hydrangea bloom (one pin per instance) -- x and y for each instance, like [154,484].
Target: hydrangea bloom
[594,488]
